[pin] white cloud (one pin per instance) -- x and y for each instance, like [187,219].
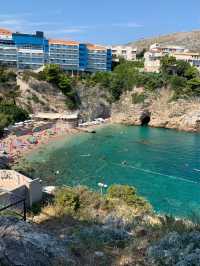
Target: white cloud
[20,22]
[67,30]
[127,25]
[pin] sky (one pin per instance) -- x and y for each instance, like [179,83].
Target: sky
[100,21]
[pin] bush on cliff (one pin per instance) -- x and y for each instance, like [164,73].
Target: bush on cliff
[66,200]
[9,114]
[129,195]
[55,75]
[86,204]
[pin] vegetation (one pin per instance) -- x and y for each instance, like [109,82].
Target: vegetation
[128,195]
[182,78]
[10,112]
[111,229]
[138,98]
[57,77]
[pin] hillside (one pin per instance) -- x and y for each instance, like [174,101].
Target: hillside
[190,40]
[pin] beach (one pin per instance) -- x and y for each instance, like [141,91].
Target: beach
[16,147]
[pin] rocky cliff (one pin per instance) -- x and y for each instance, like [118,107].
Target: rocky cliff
[23,244]
[94,102]
[41,96]
[158,110]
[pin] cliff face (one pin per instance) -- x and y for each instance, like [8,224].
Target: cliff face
[94,102]
[160,110]
[40,96]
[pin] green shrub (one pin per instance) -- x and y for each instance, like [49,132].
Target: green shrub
[123,192]
[4,122]
[138,98]
[15,113]
[129,195]
[35,98]
[67,200]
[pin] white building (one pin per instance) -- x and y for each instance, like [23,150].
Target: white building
[192,58]
[157,51]
[122,51]
[167,48]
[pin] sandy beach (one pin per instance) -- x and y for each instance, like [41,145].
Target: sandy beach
[16,147]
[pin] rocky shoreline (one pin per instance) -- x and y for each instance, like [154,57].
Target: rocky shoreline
[182,114]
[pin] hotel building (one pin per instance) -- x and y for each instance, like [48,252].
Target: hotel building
[99,58]
[32,51]
[69,55]
[8,49]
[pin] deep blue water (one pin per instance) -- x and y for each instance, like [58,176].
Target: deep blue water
[164,165]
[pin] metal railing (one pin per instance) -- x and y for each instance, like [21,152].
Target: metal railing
[10,203]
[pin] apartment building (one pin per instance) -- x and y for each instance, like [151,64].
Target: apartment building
[8,49]
[99,58]
[157,51]
[70,55]
[192,58]
[120,51]
[168,49]
[32,51]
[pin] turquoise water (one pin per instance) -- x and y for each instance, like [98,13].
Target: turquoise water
[164,165]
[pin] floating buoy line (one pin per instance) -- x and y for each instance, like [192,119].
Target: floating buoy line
[126,165]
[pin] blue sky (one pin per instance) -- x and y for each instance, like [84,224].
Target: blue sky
[104,22]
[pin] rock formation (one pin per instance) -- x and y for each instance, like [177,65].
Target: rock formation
[23,244]
[176,250]
[182,114]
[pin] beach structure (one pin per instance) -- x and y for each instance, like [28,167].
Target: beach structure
[34,51]
[63,119]
[15,184]
[157,51]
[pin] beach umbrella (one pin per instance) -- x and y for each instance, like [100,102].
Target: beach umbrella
[32,140]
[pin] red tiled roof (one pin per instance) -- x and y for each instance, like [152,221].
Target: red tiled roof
[5,32]
[63,42]
[96,47]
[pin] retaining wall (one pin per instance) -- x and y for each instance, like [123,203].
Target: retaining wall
[24,186]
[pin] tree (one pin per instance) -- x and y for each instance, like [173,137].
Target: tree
[4,122]
[51,73]
[140,55]
[64,83]
[167,64]
[12,94]
[194,85]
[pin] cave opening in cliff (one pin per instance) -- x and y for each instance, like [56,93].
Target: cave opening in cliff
[145,119]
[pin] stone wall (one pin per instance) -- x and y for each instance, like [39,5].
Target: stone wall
[12,180]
